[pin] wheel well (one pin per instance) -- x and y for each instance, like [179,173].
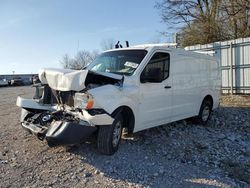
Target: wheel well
[209,98]
[128,117]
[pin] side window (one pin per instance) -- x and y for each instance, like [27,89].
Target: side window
[157,68]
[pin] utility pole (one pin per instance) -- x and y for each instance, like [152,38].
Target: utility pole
[177,39]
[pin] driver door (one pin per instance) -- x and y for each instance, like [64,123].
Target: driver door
[155,92]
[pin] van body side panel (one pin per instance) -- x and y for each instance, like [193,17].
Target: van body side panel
[215,82]
[186,86]
[194,76]
[210,80]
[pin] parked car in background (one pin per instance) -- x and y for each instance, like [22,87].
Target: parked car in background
[3,82]
[16,81]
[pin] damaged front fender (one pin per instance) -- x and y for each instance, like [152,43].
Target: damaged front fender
[98,119]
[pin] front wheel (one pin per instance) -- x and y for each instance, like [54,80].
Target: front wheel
[109,137]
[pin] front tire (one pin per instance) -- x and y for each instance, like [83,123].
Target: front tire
[109,136]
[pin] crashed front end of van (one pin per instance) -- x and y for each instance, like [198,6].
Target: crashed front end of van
[63,110]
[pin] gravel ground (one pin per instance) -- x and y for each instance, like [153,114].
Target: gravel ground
[179,154]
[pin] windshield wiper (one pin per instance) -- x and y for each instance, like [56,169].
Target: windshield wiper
[120,73]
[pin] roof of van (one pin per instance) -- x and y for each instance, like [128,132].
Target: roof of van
[165,46]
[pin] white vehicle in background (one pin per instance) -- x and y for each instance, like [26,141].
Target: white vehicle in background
[3,82]
[135,88]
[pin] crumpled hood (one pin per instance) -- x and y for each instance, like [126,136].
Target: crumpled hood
[69,80]
[63,79]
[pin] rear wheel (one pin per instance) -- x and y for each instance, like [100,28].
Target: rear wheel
[205,112]
[109,137]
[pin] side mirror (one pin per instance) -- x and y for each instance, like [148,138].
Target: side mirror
[152,75]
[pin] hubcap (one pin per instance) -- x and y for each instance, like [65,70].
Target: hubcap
[205,113]
[117,133]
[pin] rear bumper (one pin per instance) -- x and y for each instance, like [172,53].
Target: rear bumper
[61,133]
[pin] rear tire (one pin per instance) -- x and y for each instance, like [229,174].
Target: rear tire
[109,137]
[205,112]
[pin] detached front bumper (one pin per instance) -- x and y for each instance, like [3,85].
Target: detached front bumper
[61,133]
[68,133]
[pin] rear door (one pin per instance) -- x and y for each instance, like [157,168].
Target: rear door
[155,97]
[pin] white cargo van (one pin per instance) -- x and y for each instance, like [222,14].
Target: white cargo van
[135,88]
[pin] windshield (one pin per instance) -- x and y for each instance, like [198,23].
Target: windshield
[122,62]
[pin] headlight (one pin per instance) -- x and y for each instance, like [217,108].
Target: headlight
[83,101]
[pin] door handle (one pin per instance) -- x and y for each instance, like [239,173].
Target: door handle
[167,87]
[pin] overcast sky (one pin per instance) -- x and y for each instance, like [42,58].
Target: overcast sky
[37,33]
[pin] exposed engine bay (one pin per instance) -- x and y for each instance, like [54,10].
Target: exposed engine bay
[65,117]
[49,91]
